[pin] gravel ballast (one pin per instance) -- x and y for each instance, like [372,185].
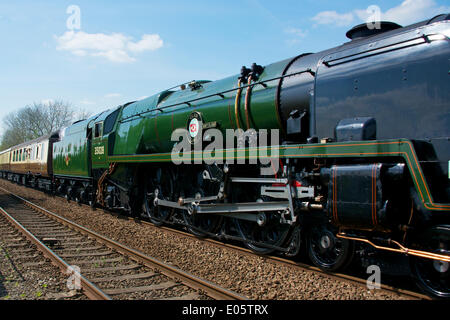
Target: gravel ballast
[25,274]
[251,276]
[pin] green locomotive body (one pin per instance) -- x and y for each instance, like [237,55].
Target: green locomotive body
[146,126]
[71,154]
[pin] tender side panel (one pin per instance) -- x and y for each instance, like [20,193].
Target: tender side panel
[70,154]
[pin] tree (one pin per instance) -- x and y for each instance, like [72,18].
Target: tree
[38,120]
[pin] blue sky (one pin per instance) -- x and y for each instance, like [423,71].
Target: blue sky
[127,50]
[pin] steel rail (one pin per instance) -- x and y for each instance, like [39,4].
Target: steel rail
[284,261]
[212,290]
[89,289]
[275,259]
[299,265]
[302,266]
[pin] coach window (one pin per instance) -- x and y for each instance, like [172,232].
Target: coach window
[98,129]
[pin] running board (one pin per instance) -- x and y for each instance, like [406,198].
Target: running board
[259,180]
[227,208]
[242,207]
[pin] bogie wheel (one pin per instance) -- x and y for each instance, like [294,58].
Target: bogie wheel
[326,251]
[433,276]
[162,187]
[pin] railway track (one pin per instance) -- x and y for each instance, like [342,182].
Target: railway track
[409,294]
[277,259]
[25,273]
[294,264]
[280,260]
[104,268]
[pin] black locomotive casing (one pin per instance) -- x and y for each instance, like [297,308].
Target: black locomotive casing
[400,78]
[365,196]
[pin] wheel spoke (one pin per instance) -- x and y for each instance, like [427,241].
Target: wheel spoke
[327,251]
[431,275]
[200,225]
[271,234]
[163,190]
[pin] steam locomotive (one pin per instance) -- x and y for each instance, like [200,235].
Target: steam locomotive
[358,153]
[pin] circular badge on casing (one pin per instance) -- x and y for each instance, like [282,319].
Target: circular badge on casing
[195,126]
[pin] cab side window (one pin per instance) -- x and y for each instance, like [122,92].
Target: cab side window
[110,121]
[98,130]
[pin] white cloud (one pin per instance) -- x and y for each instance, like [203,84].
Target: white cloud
[297,32]
[297,35]
[149,42]
[115,47]
[409,11]
[332,17]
